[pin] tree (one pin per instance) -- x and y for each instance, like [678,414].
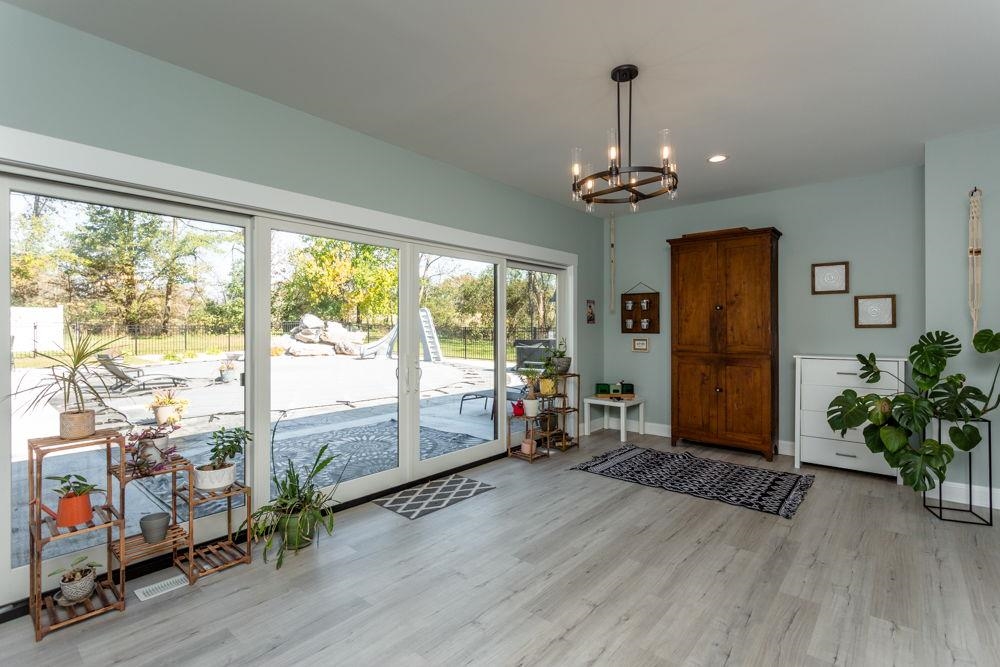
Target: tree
[34,259]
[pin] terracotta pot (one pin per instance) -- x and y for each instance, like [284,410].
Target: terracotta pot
[528,446]
[165,414]
[73,425]
[530,407]
[207,479]
[74,510]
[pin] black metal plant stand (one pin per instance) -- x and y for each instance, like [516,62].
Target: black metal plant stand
[972,517]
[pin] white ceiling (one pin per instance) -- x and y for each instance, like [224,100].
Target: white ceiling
[796,92]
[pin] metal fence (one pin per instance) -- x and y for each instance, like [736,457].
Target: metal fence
[177,341]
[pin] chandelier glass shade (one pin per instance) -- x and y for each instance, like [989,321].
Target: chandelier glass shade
[624,183]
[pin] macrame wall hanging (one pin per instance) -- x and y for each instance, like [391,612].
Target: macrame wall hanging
[975,256]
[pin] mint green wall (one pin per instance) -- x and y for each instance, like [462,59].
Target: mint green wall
[954,165]
[65,83]
[875,222]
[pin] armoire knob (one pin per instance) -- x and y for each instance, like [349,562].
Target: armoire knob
[718,390]
[718,307]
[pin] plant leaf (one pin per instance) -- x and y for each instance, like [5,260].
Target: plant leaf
[872,439]
[870,372]
[923,468]
[893,437]
[930,354]
[986,341]
[966,437]
[848,410]
[925,382]
[957,402]
[912,411]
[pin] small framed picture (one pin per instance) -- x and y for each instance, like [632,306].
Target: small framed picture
[873,311]
[640,345]
[591,311]
[831,278]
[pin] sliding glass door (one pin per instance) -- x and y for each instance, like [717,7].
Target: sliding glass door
[334,356]
[161,287]
[460,414]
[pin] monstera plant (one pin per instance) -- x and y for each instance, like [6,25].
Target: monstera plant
[897,424]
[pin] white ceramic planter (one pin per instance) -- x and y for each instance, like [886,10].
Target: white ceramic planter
[214,480]
[152,449]
[530,407]
[165,414]
[74,425]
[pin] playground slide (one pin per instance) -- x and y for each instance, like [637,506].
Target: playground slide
[430,343]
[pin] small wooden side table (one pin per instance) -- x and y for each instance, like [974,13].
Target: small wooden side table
[622,405]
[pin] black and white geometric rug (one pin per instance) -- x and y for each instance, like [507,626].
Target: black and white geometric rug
[436,494]
[770,491]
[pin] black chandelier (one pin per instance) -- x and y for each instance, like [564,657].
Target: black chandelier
[602,187]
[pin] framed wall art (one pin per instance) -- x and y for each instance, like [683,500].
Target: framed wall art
[640,345]
[831,278]
[640,311]
[874,311]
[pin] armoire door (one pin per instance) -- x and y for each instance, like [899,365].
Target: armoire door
[694,296]
[745,295]
[694,395]
[745,400]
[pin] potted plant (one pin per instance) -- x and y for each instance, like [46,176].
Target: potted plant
[896,424]
[70,379]
[227,370]
[78,580]
[300,506]
[220,472]
[74,507]
[547,380]
[167,406]
[152,444]
[560,361]
[530,376]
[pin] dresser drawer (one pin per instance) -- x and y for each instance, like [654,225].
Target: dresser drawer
[842,454]
[814,424]
[844,373]
[817,397]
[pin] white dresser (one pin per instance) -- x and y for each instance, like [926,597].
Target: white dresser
[820,378]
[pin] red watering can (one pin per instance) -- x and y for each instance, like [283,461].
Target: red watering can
[518,408]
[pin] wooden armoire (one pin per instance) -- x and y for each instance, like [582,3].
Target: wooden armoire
[724,338]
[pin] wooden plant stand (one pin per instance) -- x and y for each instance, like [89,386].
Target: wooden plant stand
[222,553]
[179,538]
[530,430]
[47,615]
[559,405]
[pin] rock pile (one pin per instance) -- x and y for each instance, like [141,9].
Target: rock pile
[314,338]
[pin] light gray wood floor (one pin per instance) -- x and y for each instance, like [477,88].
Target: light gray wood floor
[564,567]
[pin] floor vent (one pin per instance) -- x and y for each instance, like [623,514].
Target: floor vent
[165,586]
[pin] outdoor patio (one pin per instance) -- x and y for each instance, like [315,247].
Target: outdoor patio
[347,403]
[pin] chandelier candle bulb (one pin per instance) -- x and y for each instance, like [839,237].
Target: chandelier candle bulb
[665,149]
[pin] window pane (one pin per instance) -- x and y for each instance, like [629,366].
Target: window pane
[167,296]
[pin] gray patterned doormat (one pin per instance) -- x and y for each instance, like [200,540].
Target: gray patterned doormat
[436,494]
[769,491]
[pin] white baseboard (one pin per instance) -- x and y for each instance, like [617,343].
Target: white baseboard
[956,492]
[786,447]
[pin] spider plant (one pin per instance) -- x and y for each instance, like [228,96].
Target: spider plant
[300,507]
[68,378]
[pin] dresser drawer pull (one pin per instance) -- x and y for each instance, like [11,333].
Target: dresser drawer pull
[850,456]
[846,373]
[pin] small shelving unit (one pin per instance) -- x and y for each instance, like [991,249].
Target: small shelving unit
[556,410]
[530,430]
[222,553]
[179,537]
[47,614]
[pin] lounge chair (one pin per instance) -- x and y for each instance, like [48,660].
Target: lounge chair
[513,394]
[128,378]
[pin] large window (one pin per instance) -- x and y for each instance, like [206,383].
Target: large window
[165,292]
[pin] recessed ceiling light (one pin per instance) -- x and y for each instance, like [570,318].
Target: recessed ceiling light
[716,159]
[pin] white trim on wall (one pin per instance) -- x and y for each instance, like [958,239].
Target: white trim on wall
[28,150]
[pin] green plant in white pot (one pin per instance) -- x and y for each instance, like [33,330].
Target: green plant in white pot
[78,580]
[529,376]
[70,379]
[220,472]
